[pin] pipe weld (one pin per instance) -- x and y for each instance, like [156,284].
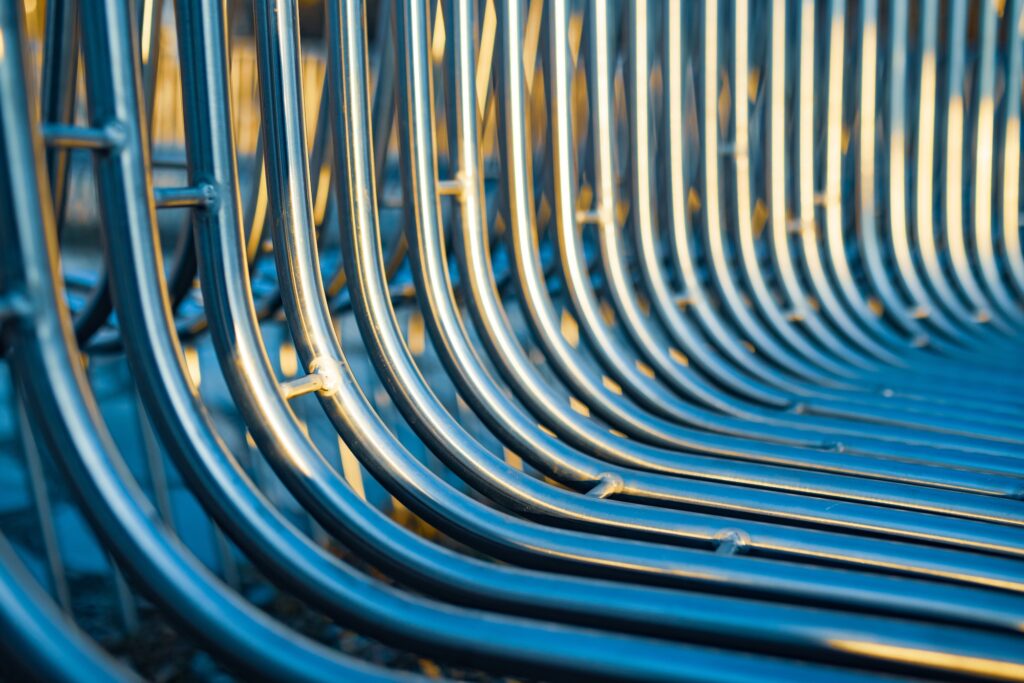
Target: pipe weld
[116,135]
[329,371]
[608,484]
[731,541]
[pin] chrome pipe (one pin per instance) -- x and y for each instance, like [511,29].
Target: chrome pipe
[569,340]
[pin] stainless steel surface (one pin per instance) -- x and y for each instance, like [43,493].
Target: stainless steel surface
[505,339]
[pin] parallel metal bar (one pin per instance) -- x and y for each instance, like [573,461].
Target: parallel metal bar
[78,137]
[177,197]
[688,350]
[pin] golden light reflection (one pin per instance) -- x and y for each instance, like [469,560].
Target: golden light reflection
[579,406]
[147,29]
[485,56]
[192,363]
[611,385]
[513,460]
[438,40]
[288,359]
[531,41]
[933,658]
[417,337]
[645,369]
[570,329]
[678,356]
[351,468]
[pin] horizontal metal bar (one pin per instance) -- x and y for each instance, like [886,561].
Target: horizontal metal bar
[80,137]
[180,197]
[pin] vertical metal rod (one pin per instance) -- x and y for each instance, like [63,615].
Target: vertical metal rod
[44,510]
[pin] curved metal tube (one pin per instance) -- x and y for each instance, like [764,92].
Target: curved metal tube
[38,640]
[54,387]
[709,435]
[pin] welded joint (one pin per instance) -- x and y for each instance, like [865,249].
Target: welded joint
[608,484]
[731,541]
[740,153]
[827,199]
[796,408]
[201,195]
[919,312]
[594,216]
[329,372]
[799,226]
[686,299]
[453,187]
[796,315]
[801,408]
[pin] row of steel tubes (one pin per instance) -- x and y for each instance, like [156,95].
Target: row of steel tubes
[673,460]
